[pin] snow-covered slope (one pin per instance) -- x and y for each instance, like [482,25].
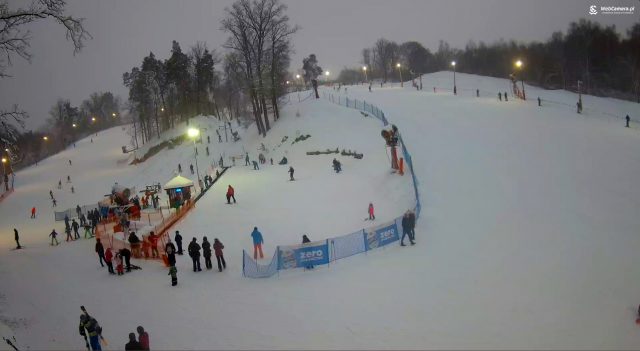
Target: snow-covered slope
[527,239]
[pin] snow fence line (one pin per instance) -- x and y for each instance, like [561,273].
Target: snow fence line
[339,247]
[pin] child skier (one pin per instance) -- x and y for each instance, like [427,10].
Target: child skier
[53,236]
[173,272]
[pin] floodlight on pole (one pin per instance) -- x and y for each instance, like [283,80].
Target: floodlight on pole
[193,133]
[398,65]
[455,89]
[364,68]
[113,114]
[45,138]
[519,65]
[74,125]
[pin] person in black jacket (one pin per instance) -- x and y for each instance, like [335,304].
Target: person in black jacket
[305,240]
[406,228]
[217,248]
[17,237]
[133,344]
[126,254]
[178,238]
[206,252]
[170,249]
[194,252]
[100,251]
[75,227]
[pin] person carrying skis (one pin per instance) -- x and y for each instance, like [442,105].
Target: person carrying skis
[108,259]
[33,212]
[178,239]
[100,251]
[206,252]
[230,194]
[217,247]
[257,243]
[17,237]
[143,338]
[75,227]
[194,253]
[291,170]
[89,327]
[53,236]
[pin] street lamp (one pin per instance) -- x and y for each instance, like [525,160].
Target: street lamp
[93,119]
[400,72]
[74,125]
[45,138]
[113,114]
[162,109]
[519,66]
[193,133]
[364,68]
[455,89]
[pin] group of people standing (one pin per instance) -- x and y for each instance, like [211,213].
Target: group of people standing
[193,249]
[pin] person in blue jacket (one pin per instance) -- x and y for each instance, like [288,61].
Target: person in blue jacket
[257,243]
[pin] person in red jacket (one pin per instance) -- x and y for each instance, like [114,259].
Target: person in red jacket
[153,240]
[230,195]
[108,259]
[217,248]
[371,214]
[33,212]
[143,338]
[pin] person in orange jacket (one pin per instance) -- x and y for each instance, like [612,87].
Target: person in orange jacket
[230,195]
[33,212]
[371,213]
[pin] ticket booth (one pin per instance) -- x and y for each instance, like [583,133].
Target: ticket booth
[179,191]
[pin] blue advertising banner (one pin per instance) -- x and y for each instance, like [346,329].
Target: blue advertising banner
[381,236]
[303,255]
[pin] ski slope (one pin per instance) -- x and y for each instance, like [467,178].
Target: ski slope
[527,237]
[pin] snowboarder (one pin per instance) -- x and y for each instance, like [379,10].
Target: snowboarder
[305,240]
[33,212]
[371,213]
[194,253]
[143,338]
[173,272]
[217,247]
[53,236]
[126,255]
[206,252]
[108,259]
[178,239]
[628,119]
[89,327]
[17,237]
[179,168]
[337,166]
[257,243]
[170,250]
[539,101]
[132,344]
[246,159]
[191,168]
[100,251]
[291,170]
[231,195]
[75,227]
[255,165]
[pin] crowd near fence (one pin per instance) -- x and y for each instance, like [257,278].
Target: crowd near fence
[329,250]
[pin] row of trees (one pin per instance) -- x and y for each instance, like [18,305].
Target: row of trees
[606,62]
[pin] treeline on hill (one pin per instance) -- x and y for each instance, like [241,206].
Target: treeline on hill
[252,73]
[607,63]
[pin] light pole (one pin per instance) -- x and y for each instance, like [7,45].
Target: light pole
[519,66]
[298,85]
[364,68]
[400,73]
[193,134]
[455,89]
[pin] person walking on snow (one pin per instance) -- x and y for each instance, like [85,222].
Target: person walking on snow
[257,243]
[100,251]
[217,247]
[371,213]
[170,250]
[246,159]
[628,119]
[143,338]
[206,252]
[178,239]
[191,168]
[231,194]
[407,228]
[33,212]
[75,227]
[69,162]
[67,230]
[53,236]
[108,259]
[291,170]
[17,237]
[194,253]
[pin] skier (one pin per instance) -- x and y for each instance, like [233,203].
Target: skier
[68,179]
[291,170]
[246,159]
[179,168]
[337,166]
[305,240]
[67,230]
[33,212]
[284,161]
[208,141]
[506,98]
[194,253]
[17,237]
[100,251]
[60,184]
[500,96]
[412,225]
[89,327]
[539,101]
[66,220]
[221,162]
[370,87]
[477,92]
[207,149]
[271,161]
[53,236]
[78,210]
[108,259]
[231,194]
[73,190]
[170,250]
[69,162]
[126,255]
[153,240]
[135,244]
[257,243]
[191,168]
[51,194]
[217,247]
[87,231]
[371,213]
[83,219]
[132,344]
[143,338]
[255,165]
[75,226]
[55,203]
[178,239]
[206,252]
[173,272]
[628,119]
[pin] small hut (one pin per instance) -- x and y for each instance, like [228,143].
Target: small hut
[179,190]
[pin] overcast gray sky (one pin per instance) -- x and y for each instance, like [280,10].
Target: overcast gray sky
[335,30]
